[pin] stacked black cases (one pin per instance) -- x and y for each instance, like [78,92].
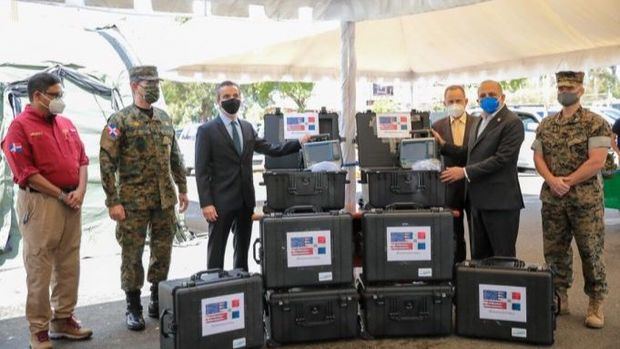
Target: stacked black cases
[312,315]
[503,298]
[408,245]
[274,133]
[212,309]
[306,249]
[322,190]
[407,310]
[389,186]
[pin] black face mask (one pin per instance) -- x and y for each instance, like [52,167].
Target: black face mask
[231,106]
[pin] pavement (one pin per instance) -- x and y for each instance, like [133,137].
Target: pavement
[101,304]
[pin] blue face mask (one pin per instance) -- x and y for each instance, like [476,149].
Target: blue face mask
[489,104]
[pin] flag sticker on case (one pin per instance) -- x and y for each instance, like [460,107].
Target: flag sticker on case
[499,302]
[222,314]
[394,126]
[299,124]
[408,243]
[308,248]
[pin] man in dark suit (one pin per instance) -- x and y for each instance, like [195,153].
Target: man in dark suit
[491,172]
[454,129]
[224,149]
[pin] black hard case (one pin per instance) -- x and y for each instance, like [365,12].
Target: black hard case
[407,310]
[180,303]
[274,250]
[376,266]
[540,306]
[389,186]
[312,315]
[274,133]
[323,190]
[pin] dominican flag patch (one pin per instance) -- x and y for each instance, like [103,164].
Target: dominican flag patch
[16,148]
[113,131]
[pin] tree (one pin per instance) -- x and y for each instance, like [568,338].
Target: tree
[299,92]
[189,102]
[385,105]
[514,84]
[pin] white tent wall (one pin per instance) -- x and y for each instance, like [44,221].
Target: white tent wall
[89,113]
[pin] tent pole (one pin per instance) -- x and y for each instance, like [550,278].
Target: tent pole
[348,68]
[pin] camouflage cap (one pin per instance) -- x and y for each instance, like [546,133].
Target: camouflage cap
[569,78]
[143,72]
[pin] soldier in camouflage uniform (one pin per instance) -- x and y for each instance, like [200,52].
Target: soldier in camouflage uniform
[140,165]
[569,153]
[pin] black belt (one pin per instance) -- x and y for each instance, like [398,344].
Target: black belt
[32,190]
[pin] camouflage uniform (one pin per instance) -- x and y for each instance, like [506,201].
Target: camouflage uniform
[141,155]
[564,144]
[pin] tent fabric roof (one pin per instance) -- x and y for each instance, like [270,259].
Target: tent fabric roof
[508,38]
[348,10]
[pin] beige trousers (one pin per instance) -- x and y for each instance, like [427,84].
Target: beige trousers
[51,232]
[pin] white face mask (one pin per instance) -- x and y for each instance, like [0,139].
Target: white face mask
[56,106]
[455,110]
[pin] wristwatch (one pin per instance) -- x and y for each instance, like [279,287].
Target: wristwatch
[62,196]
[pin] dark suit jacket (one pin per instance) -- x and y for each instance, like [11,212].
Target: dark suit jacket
[223,177]
[455,196]
[492,162]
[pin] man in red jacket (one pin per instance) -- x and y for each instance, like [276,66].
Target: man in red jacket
[49,164]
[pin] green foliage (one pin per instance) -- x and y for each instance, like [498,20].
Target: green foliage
[189,102]
[513,85]
[385,105]
[195,102]
[299,92]
[603,81]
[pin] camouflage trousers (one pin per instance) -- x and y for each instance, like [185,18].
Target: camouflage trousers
[561,222]
[131,235]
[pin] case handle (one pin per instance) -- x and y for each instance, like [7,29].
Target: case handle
[503,261]
[219,271]
[302,208]
[304,323]
[403,206]
[401,318]
[256,255]
[164,333]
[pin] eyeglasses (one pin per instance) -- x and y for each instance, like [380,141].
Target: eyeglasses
[54,95]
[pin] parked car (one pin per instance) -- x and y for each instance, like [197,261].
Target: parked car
[187,143]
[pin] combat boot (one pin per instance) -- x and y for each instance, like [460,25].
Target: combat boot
[595,318]
[153,309]
[133,316]
[564,309]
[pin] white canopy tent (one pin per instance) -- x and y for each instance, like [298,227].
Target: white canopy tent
[502,38]
[448,41]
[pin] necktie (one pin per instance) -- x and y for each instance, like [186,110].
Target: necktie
[236,138]
[458,132]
